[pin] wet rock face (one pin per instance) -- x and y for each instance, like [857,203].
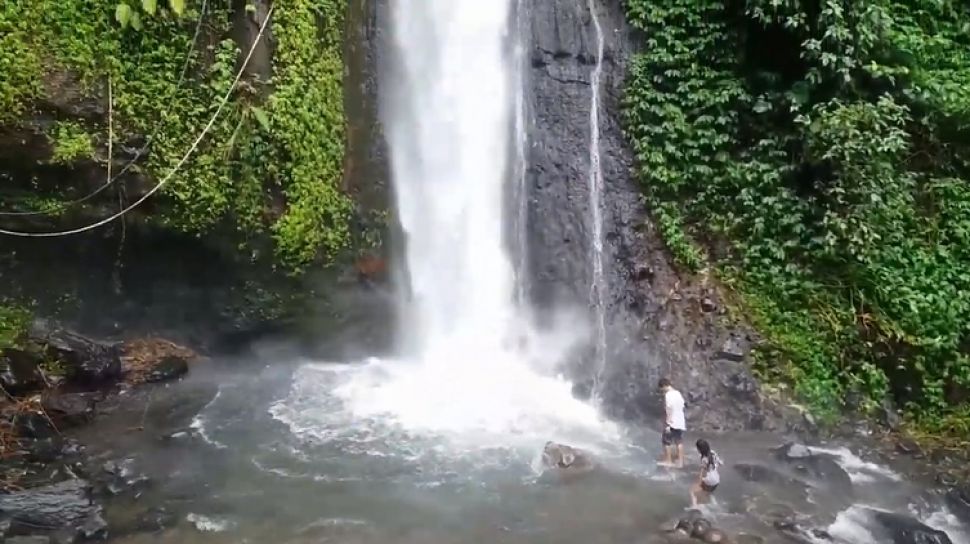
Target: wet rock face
[57,507]
[660,321]
[900,529]
[86,361]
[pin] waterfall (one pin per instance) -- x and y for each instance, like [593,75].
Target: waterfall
[519,203]
[598,287]
[473,366]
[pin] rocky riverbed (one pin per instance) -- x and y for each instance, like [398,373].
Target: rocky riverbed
[213,457]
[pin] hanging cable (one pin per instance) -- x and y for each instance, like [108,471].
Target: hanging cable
[175,169]
[141,151]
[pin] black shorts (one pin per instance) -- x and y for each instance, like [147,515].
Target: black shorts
[671,437]
[708,488]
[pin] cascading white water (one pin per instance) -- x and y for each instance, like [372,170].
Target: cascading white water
[598,286]
[474,369]
[520,191]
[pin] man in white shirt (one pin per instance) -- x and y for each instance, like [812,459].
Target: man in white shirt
[675,424]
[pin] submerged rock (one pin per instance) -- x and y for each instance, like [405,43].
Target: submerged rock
[563,457]
[902,529]
[958,499]
[817,466]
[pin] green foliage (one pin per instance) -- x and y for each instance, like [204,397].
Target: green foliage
[19,62]
[71,142]
[270,168]
[829,154]
[14,320]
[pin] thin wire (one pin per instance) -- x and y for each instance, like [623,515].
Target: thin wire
[178,84]
[175,169]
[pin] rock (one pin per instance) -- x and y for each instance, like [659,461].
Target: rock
[901,529]
[36,539]
[818,466]
[715,536]
[170,368]
[562,456]
[670,525]
[745,538]
[946,479]
[47,450]
[19,371]
[889,415]
[94,528]
[69,409]
[734,349]
[908,447]
[86,361]
[708,305]
[57,506]
[34,425]
[958,499]
[792,452]
[742,386]
[760,473]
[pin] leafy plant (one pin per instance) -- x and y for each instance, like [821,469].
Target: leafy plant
[824,144]
[70,142]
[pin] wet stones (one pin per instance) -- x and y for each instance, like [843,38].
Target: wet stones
[900,529]
[819,467]
[958,499]
[695,526]
[69,409]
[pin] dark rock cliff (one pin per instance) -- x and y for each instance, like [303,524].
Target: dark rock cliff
[660,321]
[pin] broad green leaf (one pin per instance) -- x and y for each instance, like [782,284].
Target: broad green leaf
[178,6]
[136,21]
[260,115]
[123,14]
[150,6]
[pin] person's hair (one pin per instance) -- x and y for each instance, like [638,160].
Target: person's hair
[664,382]
[703,447]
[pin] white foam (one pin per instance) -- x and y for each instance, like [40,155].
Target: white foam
[944,520]
[208,524]
[199,424]
[851,526]
[858,469]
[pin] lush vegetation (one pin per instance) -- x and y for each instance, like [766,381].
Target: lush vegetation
[815,154]
[271,163]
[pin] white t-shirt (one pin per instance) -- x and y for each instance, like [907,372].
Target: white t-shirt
[674,404]
[711,476]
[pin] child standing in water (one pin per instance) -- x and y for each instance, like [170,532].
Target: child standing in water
[709,477]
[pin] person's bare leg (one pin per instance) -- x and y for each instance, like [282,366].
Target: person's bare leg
[694,490]
[668,455]
[680,455]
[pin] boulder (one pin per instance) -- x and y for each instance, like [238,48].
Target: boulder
[85,361]
[170,368]
[69,409]
[155,360]
[19,371]
[958,499]
[64,505]
[903,529]
[34,425]
[761,474]
[563,457]
[820,467]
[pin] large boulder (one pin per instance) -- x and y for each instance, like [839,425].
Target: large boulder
[62,506]
[19,371]
[958,500]
[819,467]
[69,409]
[155,360]
[84,360]
[903,529]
